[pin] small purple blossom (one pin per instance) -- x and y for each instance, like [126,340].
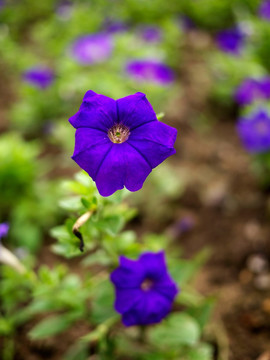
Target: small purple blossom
[144,289]
[39,76]
[264,10]
[151,34]
[113,27]
[91,49]
[187,23]
[254,131]
[64,9]
[119,142]
[186,224]
[150,71]
[231,40]
[4,228]
[251,90]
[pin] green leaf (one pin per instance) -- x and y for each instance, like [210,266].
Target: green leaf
[71,203]
[184,270]
[49,327]
[99,257]
[6,327]
[60,232]
[37,306]
[203,312]
[102,305]
[189,297]
[86,203]
[202,352]
[79,351]
[177,330]
[111,224]
[83,178]
[160,115]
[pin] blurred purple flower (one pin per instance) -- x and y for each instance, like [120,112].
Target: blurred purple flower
[113,27]
[187,23]
[186,224]
[119,142]
[150,71]
[144,289]
[252,89]
[48,127]
[41,77]
[182,226]
[4,228]
[64,9]
[265,87]
[151,34]
[91,49]
[254,131]
[264,10]
[231,40]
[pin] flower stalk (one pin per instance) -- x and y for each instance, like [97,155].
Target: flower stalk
[81,221]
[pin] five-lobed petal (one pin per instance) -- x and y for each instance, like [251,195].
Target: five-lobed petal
[129,161]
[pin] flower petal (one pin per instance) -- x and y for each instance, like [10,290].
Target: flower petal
[135,110]
[155,268]
[96,111]
[123,166]
[157,132]
[167,288]
[137,168]
[127,299]
[86,138]
[153,153]
[128,275]
[153,264]
[151,308]
[111,175]
[155,141]
[91,158]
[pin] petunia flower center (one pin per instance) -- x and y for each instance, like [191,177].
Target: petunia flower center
[119,133]
[147,284]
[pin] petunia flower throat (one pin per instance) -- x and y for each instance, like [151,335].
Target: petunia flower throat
[119,133]
[119,142]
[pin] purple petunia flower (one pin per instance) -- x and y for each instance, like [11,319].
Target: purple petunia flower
[264,10]
[231,40]
[151,34]
[91,49]
[41,77]
[252,89]
[144,289]
[254,132]
[4,228]
[119,142]
[150,71]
